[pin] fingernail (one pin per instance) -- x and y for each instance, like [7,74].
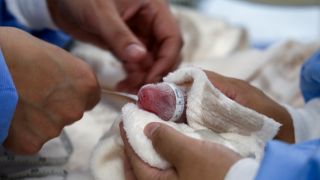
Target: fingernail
[150,129]
[135,52]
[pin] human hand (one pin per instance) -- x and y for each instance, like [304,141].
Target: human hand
[191,159]
[54,89]
[245,94]
[142,33]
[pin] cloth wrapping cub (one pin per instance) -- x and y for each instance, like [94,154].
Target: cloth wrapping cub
[211,116]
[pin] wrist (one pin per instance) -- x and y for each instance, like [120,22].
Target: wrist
[230,167]
[228,159]
[245,168]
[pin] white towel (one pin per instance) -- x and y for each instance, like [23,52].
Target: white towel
[211,116]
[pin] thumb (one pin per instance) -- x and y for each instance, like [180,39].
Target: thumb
[169,143]
[120,39]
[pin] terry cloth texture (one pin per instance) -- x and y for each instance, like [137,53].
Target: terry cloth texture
[211,116]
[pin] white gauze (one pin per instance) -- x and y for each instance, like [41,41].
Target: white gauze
[107,158]
[207,107]
[211,116]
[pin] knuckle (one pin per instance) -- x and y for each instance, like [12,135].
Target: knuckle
[90,88]
[125,35]
[33,147]
[67,114]
[54,131]
[87,88]
[75,114]
[89,83]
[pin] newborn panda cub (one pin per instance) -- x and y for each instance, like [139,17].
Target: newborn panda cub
[166,100]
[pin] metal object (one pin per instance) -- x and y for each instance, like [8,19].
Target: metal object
[117,99]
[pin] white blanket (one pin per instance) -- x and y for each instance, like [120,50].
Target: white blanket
[211,116]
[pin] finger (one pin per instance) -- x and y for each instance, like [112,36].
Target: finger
[142,170]
[128,170]
[132,67]
[132,83]
[166,58]
[169,41]
[122,42]
[169,143]
[82,34]
[140,66]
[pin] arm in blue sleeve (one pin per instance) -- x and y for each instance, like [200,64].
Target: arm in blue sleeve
[283,161]
[299,161]
[52,36]
[8,99]
[310,77]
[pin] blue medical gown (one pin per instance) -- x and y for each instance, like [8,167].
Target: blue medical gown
[290,162]
[310,78]
[8,99]
[299,161]
[55,37]
[8,93]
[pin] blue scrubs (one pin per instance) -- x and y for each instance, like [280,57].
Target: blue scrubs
[310,78]
[8,99]
[299,161]
[291,162]
[8,93]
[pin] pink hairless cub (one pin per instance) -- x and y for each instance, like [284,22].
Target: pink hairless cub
[166,100]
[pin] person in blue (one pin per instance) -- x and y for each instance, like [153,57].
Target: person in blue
[193,159]
[44,88]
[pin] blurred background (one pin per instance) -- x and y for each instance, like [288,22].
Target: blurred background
[267,21]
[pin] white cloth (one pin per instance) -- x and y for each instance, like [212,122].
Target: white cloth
[33,14]
[210,114]
[207,107]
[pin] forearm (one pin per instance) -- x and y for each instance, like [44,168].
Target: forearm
[8,99]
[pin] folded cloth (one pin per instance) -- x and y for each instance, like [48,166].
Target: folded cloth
[207,107]
[211,116]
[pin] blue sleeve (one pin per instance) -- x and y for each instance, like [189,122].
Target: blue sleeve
[310,77]
[55,37]
[293,162]
[8,99]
